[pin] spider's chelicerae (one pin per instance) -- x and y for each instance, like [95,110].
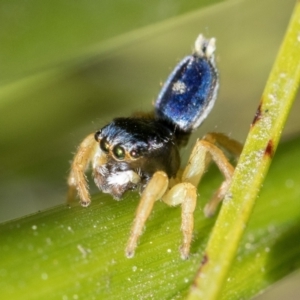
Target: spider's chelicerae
[142,152]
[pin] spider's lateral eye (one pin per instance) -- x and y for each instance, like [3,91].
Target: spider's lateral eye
[104,145]
[135,153]
[119,152]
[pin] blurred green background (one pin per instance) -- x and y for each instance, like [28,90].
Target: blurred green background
[68,67]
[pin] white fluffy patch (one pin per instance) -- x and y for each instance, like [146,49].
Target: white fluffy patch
[122,178]
[205,47]
[179,87]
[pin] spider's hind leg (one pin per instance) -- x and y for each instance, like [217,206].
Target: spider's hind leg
[203,152]
[231,145]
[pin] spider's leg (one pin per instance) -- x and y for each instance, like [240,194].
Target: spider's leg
[201,154]
[154,190]
[77,180]
[185,194]
[233,146]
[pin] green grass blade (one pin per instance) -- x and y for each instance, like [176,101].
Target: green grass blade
[253,165]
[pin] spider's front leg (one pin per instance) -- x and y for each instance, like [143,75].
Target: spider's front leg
[77,180]
[154,190]
[203,152]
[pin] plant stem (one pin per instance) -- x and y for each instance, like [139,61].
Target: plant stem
[252,168]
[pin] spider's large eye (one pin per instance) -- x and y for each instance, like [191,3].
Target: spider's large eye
[119,152]
[104,145]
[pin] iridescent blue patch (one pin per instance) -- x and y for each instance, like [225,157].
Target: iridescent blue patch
[189,93]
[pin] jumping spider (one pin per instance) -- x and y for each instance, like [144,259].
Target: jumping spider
[142,152]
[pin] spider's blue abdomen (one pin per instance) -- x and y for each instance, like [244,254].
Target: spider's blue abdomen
[189,93]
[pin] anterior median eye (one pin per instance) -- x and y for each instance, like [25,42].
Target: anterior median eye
[119,152]
[104,145]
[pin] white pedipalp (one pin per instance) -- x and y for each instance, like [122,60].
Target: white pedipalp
[99,158]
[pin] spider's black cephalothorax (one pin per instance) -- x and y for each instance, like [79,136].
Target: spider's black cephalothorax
[135,144]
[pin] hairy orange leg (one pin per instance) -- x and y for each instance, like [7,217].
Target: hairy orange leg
[77,179]
[154,190]
[185,194]
[203,152]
